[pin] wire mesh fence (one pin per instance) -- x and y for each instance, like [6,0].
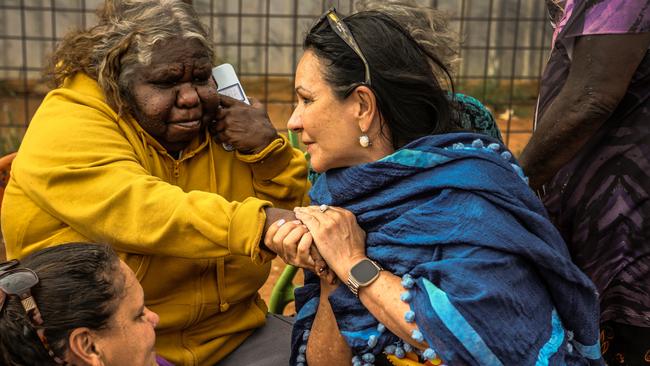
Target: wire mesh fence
[505,45]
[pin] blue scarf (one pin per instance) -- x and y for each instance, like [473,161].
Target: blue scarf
[488,278]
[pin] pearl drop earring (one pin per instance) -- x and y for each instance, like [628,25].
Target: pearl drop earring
[364,140]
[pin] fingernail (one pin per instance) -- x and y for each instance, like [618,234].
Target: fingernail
[296,222]
[281,222]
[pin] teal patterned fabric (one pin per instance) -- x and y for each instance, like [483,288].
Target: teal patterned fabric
[475,117]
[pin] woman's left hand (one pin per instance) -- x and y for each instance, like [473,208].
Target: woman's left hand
[338,237]
[246,127]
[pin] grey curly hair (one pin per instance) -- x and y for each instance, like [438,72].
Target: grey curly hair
[428,26]
[124,38]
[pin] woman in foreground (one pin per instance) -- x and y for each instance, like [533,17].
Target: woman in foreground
[75,304]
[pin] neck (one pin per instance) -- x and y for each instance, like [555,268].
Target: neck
[380,148]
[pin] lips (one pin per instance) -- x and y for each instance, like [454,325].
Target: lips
[187,124]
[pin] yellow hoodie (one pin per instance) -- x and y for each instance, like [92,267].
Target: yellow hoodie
[189,228]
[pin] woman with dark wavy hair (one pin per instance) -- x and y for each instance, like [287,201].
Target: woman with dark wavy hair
[442,252]
[74,304]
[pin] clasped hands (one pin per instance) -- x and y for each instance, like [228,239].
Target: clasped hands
[326,240]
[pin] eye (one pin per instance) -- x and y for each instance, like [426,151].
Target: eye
[164,83]
[202,74]
[141,316]
[305,100]
[201,80]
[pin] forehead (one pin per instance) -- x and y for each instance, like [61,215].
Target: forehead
[177,50]
[131,297]
[131,284]
[309,70]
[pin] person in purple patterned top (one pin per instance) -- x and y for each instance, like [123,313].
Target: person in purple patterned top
[589,159]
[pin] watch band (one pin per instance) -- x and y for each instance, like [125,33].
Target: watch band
[354,285]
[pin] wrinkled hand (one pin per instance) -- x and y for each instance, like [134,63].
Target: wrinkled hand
[336,234]
[292,242]
[247,128]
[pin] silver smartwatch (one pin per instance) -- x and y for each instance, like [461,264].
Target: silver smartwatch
[362,274]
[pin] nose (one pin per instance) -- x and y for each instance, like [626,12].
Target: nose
[152,317]
[295,121]
[187,96]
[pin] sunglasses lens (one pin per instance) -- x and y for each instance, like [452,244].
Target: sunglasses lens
[18,282]
[7,265]
[341,30]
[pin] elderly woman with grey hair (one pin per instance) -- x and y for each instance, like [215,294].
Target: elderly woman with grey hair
[127,151]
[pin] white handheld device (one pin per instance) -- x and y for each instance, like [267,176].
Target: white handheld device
[228,84]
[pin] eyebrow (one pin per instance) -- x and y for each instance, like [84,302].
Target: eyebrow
[303,89]
[166,69]
[200,54]
[202,67]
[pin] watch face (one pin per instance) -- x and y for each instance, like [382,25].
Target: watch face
[364,271]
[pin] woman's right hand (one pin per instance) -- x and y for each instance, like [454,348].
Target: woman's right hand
[295,245]
[291,241]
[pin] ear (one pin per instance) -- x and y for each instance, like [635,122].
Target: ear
[367,111]
[83,348]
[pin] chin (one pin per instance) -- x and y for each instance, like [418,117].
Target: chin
[322,165]
[316,166]
[320,168]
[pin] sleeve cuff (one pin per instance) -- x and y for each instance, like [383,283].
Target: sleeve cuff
[271,161]
[246,229]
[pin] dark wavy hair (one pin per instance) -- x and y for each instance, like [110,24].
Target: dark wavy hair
[80,285]
[411,102]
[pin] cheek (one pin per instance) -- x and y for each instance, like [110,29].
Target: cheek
[324,126]
[147,336]
[154,105]
[151,333]
[314,122]
[140,342]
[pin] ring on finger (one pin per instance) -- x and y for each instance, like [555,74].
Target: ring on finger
[323,207]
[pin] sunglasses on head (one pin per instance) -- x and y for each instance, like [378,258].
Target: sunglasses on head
[345,34]
[8,265]
[19,282]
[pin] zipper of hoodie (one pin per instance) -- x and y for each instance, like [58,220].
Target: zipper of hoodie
[176,170]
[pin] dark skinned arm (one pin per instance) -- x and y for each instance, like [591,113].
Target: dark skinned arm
[601,70]
[326,345]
